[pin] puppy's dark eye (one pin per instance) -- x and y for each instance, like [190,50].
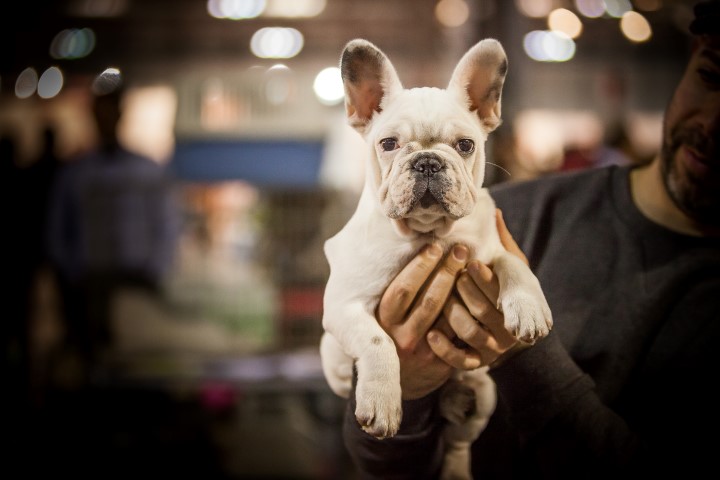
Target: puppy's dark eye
[465,146]
[389,144]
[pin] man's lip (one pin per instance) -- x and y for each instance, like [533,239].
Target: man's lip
[696,163]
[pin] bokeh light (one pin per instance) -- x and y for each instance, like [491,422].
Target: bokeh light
[565,21]
[617,8]
[26,83]
[108,81]
[328,86]
[635,27]
[235,9]
[279,84]
[452,13]
[549,46]
[50,83]
[294,8]
[276,42]
[534,8]
[72,43]
[590,8]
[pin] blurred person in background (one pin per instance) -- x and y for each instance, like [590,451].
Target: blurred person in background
[30,204]
[14,327]
[616,148]
[628,257]
[113,224]
[25,200]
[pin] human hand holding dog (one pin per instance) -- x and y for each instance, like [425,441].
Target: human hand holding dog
[422,314]
[408,309]
[471,312]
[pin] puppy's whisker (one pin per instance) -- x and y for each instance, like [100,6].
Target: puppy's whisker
[498,166]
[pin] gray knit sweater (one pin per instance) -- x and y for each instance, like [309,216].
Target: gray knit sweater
[625,383]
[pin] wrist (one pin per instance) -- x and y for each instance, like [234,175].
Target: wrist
[510,353]
[420,414]
[420,391]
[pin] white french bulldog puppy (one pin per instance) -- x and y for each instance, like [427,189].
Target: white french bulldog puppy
[424,174]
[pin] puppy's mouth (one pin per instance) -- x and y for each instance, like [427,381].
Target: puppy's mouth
[427,193]
[431,182]
[428,199]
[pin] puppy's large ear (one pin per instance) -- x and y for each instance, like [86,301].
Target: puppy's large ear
[369,79]
[478,80]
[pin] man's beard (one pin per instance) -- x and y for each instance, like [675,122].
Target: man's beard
[698,197]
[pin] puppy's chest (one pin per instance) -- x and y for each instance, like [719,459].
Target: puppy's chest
[379,265]
[368,270]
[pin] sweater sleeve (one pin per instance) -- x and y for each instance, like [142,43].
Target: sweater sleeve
[415,452]
[560,421]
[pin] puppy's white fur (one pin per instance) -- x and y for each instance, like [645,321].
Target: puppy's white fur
[422,184]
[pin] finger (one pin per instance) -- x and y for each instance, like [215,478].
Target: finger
[443,326]
[401,292]
[452,355]
[472,332]
[483,278]
[478,289]
[433,296]
[506,238]
[465,326]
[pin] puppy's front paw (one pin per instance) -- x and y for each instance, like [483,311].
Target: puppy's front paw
[527,314]
[378,408]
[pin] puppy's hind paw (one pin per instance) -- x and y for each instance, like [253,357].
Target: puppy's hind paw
[457,402]
[383,426]
[456,462]
[379,414]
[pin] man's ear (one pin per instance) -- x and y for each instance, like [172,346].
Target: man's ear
[478,80]
[369,79]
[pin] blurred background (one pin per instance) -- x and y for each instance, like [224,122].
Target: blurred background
[211,369]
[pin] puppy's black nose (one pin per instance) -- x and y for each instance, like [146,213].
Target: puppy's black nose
[428,164]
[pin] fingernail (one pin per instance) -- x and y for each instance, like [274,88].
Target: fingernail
[473,266]
[460,252]
[433,337]
[434,250]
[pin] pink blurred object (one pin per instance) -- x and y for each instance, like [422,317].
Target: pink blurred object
[217,396]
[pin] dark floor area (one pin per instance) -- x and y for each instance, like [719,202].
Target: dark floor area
[193,426]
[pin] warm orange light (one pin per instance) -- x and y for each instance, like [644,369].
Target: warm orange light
[452,13]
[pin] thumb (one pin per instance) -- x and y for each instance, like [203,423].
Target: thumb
[506,238]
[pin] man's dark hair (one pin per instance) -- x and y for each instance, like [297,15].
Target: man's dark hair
[707,18]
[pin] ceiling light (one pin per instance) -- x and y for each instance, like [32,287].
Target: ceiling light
[276,42]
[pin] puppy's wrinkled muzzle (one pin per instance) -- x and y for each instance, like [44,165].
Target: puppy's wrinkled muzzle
[428,170]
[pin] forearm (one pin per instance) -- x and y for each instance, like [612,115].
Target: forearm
[557,414]
[414,453]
